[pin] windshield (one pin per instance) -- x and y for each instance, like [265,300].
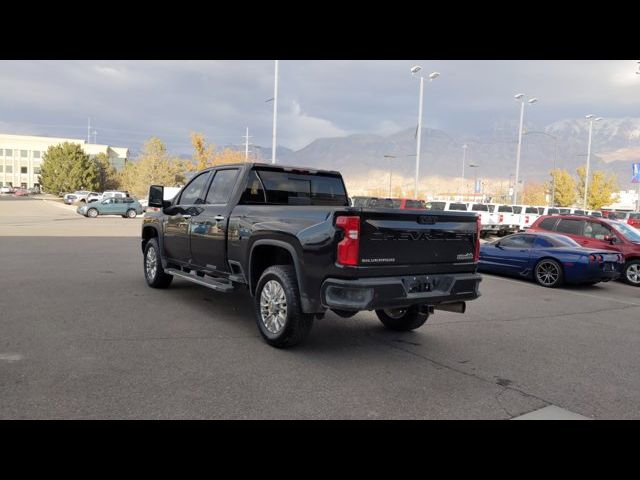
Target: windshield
[630,233]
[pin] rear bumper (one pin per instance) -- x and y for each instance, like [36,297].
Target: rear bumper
[391,292]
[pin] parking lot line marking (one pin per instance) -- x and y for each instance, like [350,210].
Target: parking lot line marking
[598,297]
[551,412]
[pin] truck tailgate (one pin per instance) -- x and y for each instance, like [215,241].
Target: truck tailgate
[396,237]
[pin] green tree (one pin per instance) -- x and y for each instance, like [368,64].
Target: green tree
[565,187]
[154,166]
[601,188]
[65,168]
[107,174]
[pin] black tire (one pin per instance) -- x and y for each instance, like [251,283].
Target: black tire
[294,325]
[131,213]
[92,213]
[548,273]
[402,319]
[155,278]
[631,273]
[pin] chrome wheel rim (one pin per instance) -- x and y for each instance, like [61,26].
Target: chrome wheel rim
[547,273]
[132,214]
[273,306]
[151,265]
[395,312]
[633,273]
[93,213]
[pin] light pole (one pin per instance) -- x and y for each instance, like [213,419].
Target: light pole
[475,178]
[591,119]
[390,171]
[521,98]
[555,161]
[414,71]
[464,160]
[275,114]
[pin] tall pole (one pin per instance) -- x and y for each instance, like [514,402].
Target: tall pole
[464,160]
[275,115]
[586,177]
[89,130]
[246,146]
[419,136]
[515,188]
[555,161]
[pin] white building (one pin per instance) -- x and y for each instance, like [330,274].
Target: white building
[21,157]
[626,200]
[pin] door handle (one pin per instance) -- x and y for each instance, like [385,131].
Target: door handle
[218,218]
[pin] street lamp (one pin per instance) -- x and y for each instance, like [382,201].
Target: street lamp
[475,178]
[520,97]
[415,70]
[464,160]
[390,171]
[591,119]
[555,161]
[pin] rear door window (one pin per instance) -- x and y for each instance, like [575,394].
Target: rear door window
[222,187]
[547,224]
[572,227]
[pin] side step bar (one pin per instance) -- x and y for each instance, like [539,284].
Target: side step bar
[220,285]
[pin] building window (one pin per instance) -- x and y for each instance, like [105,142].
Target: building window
[36,170]
[8,169]
[23,185]
[24,153]
[23,169]
[1,168]
[8,152]
[36,154]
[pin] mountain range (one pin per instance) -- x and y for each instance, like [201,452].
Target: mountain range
[615,145]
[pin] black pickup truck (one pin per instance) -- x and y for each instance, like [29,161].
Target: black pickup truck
[289,236]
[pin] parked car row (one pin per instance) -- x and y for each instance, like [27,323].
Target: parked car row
[86,196]
[19,191]
[571,248]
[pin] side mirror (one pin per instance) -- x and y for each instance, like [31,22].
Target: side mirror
[156,197]
[610,238]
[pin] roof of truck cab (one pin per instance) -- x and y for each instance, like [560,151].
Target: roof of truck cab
[271,166]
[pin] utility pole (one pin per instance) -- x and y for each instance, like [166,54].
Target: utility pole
[89,130]
[275,115]
[464,160]
[246,145]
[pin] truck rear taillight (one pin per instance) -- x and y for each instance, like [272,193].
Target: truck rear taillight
[526,219]
[501,218]
[349,246]
[476,255]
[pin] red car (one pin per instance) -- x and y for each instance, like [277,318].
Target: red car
[598,233]
[20,192]
[634,219]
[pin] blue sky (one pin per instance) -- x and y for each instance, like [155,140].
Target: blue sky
[129,101]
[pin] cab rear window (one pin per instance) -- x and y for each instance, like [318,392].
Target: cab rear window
[296,188]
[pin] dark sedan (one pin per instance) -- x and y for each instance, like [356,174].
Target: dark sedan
[550,259]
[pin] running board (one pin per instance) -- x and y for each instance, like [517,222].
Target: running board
[221,285]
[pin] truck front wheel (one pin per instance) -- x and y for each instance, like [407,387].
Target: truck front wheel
[153,272]
[402,319]
[281,321]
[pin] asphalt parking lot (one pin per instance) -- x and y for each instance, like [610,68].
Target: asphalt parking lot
[82,336]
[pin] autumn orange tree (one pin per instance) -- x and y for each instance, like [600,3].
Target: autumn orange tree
[205,155]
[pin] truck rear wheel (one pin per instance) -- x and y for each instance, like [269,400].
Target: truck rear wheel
[153,272]
[281,321]
[402,319]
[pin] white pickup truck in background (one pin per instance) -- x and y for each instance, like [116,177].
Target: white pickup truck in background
[503,217]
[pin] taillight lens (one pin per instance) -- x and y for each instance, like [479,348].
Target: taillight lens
[501,218]
[476,255]
[526,219]
[349,246]
[595,258]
